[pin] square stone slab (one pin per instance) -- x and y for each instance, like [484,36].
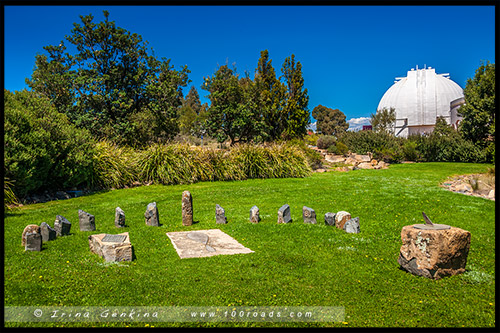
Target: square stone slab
[205,243]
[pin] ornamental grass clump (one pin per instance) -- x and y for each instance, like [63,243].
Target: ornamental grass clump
[167,164]
[114,166]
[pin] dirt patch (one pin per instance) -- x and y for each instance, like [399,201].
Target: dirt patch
[479,185]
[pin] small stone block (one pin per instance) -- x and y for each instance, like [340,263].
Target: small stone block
[254,214]
[47,232]
[119,218]
[29,228]
[309,215]
[341,218]
[330,218]
[86,221]
[220,217]
[284,214]
[151,215]
[62,226]
[33,241]
[352,226]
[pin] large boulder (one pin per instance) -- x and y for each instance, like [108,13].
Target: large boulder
[112,247]
[434,253]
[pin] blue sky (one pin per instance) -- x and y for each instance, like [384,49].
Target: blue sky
[350,55]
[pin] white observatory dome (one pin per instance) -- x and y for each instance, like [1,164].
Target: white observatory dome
[421,97]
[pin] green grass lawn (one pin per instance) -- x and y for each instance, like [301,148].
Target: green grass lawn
[293,264]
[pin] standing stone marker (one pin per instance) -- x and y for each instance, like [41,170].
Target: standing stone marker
[119,218]
[187,208]
[47,232]
[341,218]
[151,215]
[254,214]
[284,214]
[330,218]
[62,226]
[220,217]
[86,221]
[30,228]
[33,241]
[309,215]
[352,226]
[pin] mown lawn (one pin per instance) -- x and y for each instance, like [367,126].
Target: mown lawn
[293,264]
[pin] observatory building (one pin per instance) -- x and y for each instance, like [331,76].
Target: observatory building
[421,97]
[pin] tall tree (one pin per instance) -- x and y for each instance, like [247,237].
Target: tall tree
[478,124]
[272,94]
[109,79]
[296,100]
[329,121]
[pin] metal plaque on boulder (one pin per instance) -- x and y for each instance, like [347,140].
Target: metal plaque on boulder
[114,238]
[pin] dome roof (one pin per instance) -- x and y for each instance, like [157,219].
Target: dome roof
[421,96]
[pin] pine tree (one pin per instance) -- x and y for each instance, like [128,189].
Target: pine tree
[295,111]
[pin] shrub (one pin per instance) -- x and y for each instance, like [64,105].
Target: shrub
[410,151]
[311,139]
[338,149]
[453,147]
[381,144]
[325,141]
[43,150]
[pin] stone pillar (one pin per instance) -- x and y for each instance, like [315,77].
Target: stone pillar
[434,253]
[119,218]
[254,214]
[284,214]
[151,215]
[187,208]
[309,215]
[220,217]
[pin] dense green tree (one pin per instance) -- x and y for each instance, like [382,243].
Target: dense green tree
[192,114]
[478,124]
[271,99]
[232,114]
[42,149]
[109,80]
[442,128]
[296,100]
[383,120]
[329,121]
